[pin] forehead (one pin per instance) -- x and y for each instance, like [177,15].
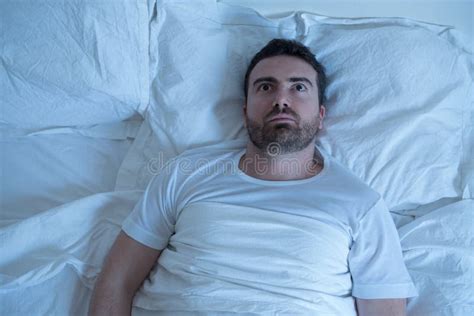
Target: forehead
[282,67]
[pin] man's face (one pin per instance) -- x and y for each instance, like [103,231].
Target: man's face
[283,86]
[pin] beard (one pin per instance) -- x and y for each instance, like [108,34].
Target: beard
[282,138]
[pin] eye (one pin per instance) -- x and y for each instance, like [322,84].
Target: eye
[300,87]
[264,87]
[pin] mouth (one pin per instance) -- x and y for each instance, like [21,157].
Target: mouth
[282,119]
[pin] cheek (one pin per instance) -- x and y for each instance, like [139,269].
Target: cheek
[303,97]
[254,113]
[257,107]
[307,102]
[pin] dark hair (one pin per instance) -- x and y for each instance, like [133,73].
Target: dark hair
[277,47]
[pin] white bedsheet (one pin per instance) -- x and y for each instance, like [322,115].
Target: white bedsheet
[44,169]
[50,260]
[439,253]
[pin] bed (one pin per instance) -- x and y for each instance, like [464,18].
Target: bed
[99,96]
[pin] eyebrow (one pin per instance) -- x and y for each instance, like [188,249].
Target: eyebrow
[273,80]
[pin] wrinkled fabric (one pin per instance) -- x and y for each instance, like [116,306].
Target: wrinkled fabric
[438,251]
[44,169]
[86,63]
[50,261]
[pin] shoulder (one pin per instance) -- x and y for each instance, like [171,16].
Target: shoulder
[343,175]
[351,189]
[195,166]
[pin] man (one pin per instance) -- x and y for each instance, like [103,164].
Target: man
[275,228]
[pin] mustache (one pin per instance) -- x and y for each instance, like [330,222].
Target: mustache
[287,111]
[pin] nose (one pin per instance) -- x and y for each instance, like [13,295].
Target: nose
[281,100]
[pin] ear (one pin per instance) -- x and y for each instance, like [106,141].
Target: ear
[322,114]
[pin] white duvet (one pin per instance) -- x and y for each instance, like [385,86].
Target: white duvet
[50,261]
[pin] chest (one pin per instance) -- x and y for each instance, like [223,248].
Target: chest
[223,232]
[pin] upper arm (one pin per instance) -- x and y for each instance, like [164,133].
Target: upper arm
[386,307]
[128,264]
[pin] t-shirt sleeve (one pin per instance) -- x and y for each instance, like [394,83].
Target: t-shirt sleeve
[375,258]
[152,221]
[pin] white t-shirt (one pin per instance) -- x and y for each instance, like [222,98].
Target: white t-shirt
[234,243]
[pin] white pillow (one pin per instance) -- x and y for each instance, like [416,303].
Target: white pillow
[398,91]
[75,62]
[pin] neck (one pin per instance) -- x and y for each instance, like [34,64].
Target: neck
[292,166]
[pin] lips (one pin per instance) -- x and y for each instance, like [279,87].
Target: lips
[281,118]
